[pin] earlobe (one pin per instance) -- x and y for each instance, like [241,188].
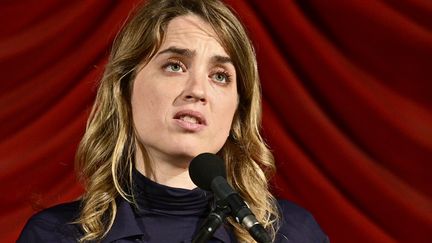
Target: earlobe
[235,131]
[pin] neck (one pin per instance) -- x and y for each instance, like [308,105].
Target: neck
[165,172]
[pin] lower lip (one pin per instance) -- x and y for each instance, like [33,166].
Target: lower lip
[188,126]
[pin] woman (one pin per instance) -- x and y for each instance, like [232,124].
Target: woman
[181,80]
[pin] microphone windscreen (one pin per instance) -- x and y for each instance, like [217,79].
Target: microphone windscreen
[204,168]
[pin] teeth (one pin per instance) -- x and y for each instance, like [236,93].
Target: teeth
[190,119]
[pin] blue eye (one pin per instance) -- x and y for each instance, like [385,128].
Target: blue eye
[219,77]
[222,77]
[175,67]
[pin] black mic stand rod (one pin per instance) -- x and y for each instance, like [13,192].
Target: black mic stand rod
[211,224]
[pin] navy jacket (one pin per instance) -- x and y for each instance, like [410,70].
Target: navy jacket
[53,225]
[162,214]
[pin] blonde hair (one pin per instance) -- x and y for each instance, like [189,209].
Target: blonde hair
[105,156]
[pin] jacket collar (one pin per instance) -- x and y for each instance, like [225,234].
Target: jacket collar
[125,225]
[223,234]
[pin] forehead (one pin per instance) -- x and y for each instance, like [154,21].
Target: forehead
[190,22]
[186,30]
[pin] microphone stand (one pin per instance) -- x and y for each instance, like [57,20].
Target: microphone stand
[212,223]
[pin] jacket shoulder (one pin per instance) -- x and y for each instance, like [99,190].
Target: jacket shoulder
[54,224]
[298,225]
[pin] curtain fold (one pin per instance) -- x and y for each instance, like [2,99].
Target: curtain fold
[347,107]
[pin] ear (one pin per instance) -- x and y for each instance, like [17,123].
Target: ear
[235,132]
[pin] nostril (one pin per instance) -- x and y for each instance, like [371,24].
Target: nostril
[195,97]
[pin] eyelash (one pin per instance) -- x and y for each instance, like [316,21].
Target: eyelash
[174,62]
[226,74]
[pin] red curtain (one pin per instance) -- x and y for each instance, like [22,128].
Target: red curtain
[347,98]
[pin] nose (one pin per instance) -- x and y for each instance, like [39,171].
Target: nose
[195,90]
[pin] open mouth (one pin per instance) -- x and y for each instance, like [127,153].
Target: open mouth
[190,119]
[190,116]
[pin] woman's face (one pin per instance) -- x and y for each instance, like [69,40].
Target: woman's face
[184,99]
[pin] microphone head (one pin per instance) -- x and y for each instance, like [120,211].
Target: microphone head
[204,168]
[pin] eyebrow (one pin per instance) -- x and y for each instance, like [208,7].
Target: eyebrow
[179,51]
[221,59]
[190,53]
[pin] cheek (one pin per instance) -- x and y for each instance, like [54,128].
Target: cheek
[224,119]
[226,115]
[147,96]
[142,102]
[145,106]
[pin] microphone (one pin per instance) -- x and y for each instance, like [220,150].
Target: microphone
[207,171]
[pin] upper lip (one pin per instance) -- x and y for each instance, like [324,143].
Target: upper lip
[196,114]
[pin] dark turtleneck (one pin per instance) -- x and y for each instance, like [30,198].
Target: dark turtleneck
[154,198]
[164,215]
[170,214]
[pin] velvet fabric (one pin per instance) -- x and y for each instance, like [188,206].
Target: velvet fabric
[347,100]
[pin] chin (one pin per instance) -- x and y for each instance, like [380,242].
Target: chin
[190,152]
[188,147]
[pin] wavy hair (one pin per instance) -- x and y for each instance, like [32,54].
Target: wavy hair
[106,153]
